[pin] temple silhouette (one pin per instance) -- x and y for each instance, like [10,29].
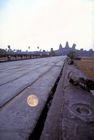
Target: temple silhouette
[65,50]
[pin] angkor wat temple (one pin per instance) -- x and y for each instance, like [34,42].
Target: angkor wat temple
[65,50]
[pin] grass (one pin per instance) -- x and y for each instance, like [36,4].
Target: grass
[86,65]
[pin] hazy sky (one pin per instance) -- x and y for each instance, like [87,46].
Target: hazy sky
[46,23]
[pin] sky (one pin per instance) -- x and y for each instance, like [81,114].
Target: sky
[46,23]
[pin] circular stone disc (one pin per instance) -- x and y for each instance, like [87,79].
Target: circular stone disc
[32,100]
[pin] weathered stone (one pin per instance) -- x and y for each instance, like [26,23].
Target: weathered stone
[17,118]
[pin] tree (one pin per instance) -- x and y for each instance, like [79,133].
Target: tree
[2,52]
[72,54]
[9,47]
[29,47]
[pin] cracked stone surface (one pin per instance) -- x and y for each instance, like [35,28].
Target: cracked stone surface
[18,80]
[77,124]
[71,115]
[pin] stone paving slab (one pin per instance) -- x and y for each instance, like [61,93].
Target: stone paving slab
[53,126]
[13,88]
[78,112]
[13,85]
[71,115]
[17,118]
